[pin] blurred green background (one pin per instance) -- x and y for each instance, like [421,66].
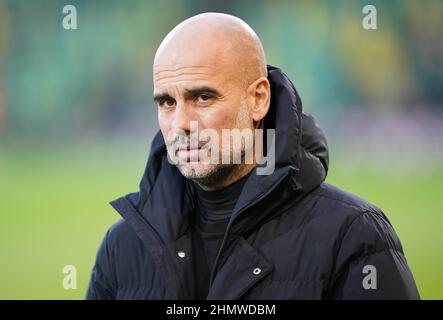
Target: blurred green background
[76,119]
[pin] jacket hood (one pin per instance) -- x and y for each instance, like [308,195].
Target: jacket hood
[299,143]
[301,153]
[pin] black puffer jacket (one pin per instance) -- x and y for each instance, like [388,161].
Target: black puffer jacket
[291,236]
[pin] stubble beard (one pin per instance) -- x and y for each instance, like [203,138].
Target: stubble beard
[208,175]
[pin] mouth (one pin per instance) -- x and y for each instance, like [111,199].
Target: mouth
[189,153]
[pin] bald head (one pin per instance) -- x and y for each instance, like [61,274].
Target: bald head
[221,41]
[210,73]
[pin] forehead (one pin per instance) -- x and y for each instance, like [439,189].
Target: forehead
[183,77]
[165,74]
[182,64]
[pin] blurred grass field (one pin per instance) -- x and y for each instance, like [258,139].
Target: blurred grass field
[54,212]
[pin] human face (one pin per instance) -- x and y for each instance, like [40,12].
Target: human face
[211,99]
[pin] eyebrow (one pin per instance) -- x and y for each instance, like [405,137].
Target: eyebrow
[190,93]
[162,97]
[195,92]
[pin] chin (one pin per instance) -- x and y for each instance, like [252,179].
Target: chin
[196,171]
[206,174]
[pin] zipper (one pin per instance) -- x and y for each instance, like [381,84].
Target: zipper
[214,267]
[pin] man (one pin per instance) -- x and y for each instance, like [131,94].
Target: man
[215,230]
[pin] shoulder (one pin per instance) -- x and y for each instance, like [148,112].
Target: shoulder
[333,203]
[357,221]
[120,236]
[122,250]
[339,198]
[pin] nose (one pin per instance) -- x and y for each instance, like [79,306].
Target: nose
[182,118]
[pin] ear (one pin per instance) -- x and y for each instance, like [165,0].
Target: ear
[259,97]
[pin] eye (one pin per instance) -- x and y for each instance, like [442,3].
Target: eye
[203,98]
[166,103]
